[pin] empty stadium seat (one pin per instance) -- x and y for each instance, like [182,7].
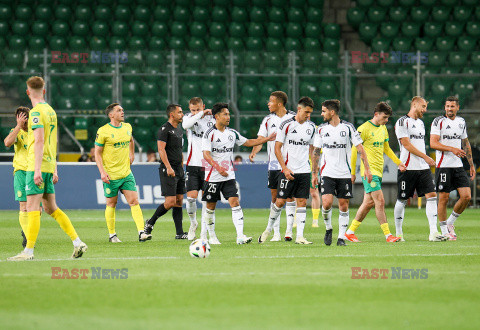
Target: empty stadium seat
[355,16]
[397,14]
[433,29]
[389,29]
[419,14]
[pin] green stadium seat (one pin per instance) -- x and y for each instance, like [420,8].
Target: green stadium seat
[331,45]
[142,13]
[20,27]
[385,76]
[445,43]
[419,14]
[402,44]
[329,60]
[39,28]
[433,29]
[146,103]
[138,29]
[273,44]
[279,3]
[449,3]
[397,14]
[235,44]
[120,29]
[16,42]
[424,44]
[131,89]
[252,43]
[23,12]
[4,28]
[190,88]
[5,12]
[215,44]
[129,103]
[163,13]
[397,89]
[63,12]
[14,59]
[475,59]
[60,28]
[99,43]
[122,13]
[470,2]
[254,30]
[380,45]
[179,29]
[275,30]
[294,30]
[368,31]
[196,43]
[80,28]
[292,44]
[477,13]
[101,29]
[160,29]
[239,14]
[220,14]
[250,91]
[440,88]
[386,3]
[83,12]
[311,44]
[365,3]
[463,89]
[462,13]
[466,44]
[149,89]
[389,29]
[57,43]
[315,15]
[274,60]
[312,30]
[408,74]
[247,104]
[454,29]
[258,14]
[276,15]
[193,58]
[157,43]
[307,88]
[355,16]
[437,59]
[473,29]
[77,43]
[89,89]
[411,29]
[440,14]
[235,29]
[296,15]
[181,14]
[103,12]
[84,103]
[470,71]
[331,30]
[298,3]
[377,14]
[428,3]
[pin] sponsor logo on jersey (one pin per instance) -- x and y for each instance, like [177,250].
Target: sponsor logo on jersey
[222,150]
[299,143]
[418,137]
[451,137]
[197,134]
[335,145]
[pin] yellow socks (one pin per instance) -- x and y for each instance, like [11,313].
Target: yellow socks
[33,228]
[316,214]
[354,226]
[64,223]
[23,219]
[386,230]
[138,217]
[110,218]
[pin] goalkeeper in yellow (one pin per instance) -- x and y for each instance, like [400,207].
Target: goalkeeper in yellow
[375,142]
[114,152]
[41,174]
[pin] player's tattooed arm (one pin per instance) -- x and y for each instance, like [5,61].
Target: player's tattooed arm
[468,150]
[315,156]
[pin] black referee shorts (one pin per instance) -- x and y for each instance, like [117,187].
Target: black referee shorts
[172,186]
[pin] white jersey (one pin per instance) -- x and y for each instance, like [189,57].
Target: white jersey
[336,144]
[296,139]
[414,129]
[220,144]
[451,133]
[196,127]
[270,125]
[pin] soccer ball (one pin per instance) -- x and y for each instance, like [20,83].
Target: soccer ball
[199,249]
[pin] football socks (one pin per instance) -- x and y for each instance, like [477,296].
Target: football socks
[237,218]
[32,229]
[343,219]
[64,223]
[301,216]
[137,217]
[23,219]
[399,213]
[177,215]
[354,226]
[110,218]
[327,218]
[431,211]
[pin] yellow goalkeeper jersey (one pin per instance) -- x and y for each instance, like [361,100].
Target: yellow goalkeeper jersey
[20,147]
[116,149]
[43,116]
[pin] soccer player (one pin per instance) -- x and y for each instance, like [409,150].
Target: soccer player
[197,122]
[217,146]
[410,132]
[375,142]
[172,175]
[18,138]
[42,171]
[114,153]
[449,137]
[270,124]
[295,135]
[335,138]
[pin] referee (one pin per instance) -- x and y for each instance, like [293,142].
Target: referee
[172,176]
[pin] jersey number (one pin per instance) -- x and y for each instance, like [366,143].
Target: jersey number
[443,177]
[52,127]
[283,184]
[403,185]
[212,188]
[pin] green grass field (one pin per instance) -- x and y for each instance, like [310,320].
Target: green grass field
[274,285]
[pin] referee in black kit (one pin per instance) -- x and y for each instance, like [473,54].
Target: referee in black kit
[172,175]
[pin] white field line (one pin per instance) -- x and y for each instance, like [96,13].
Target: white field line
[270,257]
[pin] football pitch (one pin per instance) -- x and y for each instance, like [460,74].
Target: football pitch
[273,285]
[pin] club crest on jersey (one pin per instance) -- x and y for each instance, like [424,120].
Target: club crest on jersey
[209,124]
[230,138]
[343,133]
[35,120]
[460,126]
[309,131]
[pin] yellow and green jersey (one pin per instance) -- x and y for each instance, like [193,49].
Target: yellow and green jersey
[116,149]
[43,116]
[374,138]
[20,146]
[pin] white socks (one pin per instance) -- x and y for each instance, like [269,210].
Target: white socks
[443,227]
[208,218]
[276,225]
[77,241]
[237,218]
[399,213]
[290,210]
[301,216]
[431,211]
[192,209]
[327,218]
[343,219]
[451,219]
[274,216]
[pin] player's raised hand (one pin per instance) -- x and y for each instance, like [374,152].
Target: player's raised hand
[207,112]
[459,152]
[288,174]
[105,178]
[354,177]
[21,119]
[170,172]
[429,161]
[402,167]
[37,178]
[252,156]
